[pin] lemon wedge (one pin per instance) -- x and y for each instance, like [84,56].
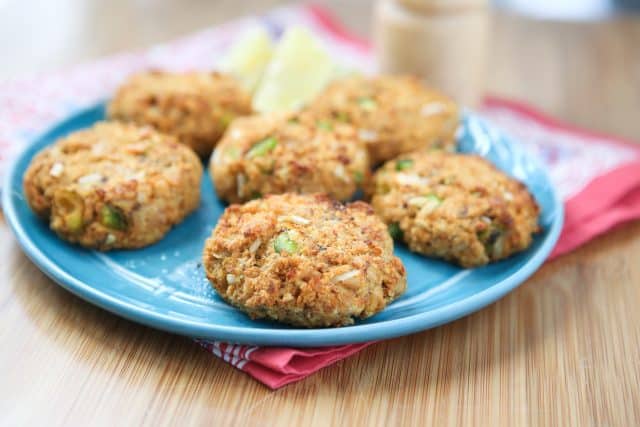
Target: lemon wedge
[299,69]
[249,57]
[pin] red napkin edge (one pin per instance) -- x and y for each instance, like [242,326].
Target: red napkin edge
[292,364]
[577,232]
[334,26]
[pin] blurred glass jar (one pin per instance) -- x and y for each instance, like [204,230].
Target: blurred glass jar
[443,41]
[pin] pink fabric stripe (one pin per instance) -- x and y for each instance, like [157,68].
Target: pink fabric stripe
[328,21]
[603,192]
[276,367]
[624,210]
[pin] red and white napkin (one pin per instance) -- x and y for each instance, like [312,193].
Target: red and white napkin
[598,176]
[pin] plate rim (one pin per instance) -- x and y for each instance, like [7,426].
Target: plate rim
[299,337]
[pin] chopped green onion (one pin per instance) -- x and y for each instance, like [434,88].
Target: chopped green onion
[403,164]
[395,231]
[324,125]
[433,198]
[71,207]
[112,217]
[367,104]
[341,116]
[498,246]
[383,188]
[293,120]
[232,153]
[262,147]
[448,180]
[74,221]
[226,119]
[430,199]
[256,195]
[492,239]
[358,177]
[284,243]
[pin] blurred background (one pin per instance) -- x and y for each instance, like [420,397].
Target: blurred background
[570,9]
[576,59]
[43,34]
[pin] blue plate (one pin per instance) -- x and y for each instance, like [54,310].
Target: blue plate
[164,285]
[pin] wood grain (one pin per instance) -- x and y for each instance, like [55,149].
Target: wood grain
[563,349]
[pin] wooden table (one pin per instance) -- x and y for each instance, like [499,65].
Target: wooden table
[563,349]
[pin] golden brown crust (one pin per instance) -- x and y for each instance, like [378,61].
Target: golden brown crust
[195,107]
[114,185]
[393,114]
[305,260]
[453,206]
[279,153]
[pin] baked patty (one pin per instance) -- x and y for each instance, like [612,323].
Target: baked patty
[392,114]
[279,153]
[454,206]
[195,107]
[305,260]
[114,185]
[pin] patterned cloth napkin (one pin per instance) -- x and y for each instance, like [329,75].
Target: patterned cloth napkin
[598,176]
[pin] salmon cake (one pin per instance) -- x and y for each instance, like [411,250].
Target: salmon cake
[279,153]
[114,185]
[454,206]
[393,114]
[195,107]
[304,260]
